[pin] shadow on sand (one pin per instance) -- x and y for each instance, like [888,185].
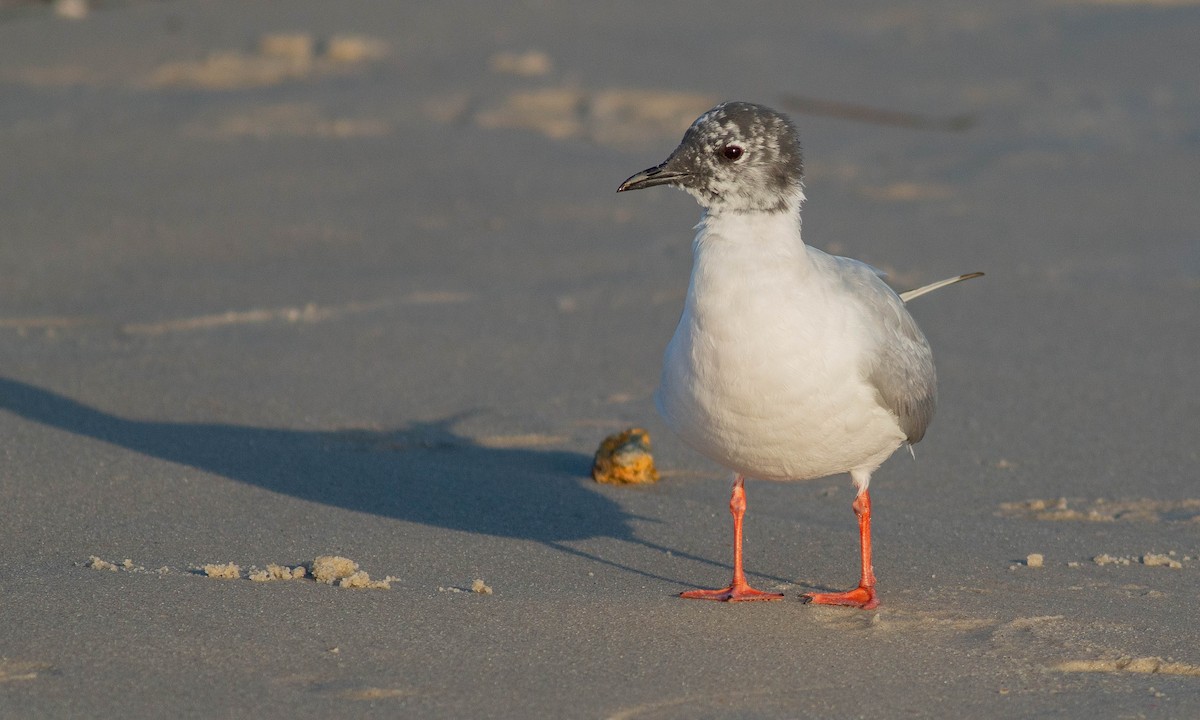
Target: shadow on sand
[423,473]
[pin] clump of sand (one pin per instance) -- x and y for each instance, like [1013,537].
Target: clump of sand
[1142,665]
[126,565]
[96,563]
[329,569]
[1148,559]
[222,571]
[1159,560]
[278,572]
[344,572]
[479,587]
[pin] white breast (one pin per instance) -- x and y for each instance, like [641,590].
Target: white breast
[764,374]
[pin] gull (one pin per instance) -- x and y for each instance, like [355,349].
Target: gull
[788,363]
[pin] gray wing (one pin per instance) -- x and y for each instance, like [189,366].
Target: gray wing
[899,364]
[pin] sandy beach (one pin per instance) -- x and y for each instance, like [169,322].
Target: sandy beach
[282,281]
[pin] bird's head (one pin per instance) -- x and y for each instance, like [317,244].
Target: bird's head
[737,157]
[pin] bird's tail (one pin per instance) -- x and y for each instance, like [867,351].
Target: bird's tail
[912,294]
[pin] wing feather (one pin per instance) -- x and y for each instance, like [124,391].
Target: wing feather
[899,362]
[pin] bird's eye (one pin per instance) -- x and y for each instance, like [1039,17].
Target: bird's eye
[732,152]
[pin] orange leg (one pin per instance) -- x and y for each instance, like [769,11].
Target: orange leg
[862,596]
[738,590]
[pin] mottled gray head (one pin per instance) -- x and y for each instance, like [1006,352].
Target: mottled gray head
[737,157]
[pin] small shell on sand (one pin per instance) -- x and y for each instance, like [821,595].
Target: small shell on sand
[625,459]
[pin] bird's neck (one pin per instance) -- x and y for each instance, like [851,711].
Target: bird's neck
[762,233]
[744,266]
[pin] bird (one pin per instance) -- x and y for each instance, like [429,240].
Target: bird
[788,363]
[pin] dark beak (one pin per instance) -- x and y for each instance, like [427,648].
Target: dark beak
[657,175]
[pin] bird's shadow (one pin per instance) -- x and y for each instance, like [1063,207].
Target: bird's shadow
[424,473]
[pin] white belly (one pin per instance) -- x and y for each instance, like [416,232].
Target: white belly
[766,377]
[791,423]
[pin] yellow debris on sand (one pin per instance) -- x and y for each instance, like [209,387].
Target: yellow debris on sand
[625,459]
